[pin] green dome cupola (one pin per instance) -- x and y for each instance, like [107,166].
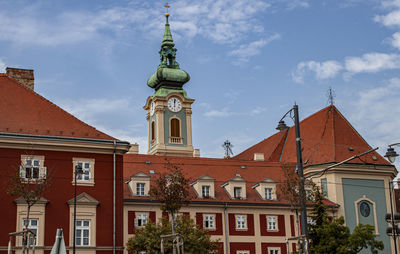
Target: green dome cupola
[168,74]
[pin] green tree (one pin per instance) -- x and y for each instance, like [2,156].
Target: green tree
[329,235]
[171,190]
[196,240]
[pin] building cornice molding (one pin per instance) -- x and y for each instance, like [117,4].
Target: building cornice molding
[68,144]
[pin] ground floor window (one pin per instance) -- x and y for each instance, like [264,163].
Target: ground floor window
[33,226]
[82,232]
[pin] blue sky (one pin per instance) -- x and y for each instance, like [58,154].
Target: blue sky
[249,61]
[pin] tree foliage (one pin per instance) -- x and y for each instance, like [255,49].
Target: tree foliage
[148,239]
[329,235]
[171,189]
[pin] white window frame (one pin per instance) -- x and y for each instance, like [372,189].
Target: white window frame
[141,219]
[87,178]
[140,189]
[30,163]
[241,222]
[274,250]
[209,221]
[86,168]
[242,252]
[34,228]
[79,237]
[205,190]
[268,193]
[272,223]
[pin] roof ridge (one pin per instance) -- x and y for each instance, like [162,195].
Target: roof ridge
[55,105]
[334,132]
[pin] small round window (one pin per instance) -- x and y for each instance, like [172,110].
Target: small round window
[365,209]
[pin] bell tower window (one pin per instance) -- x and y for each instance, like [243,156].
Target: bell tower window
[153,136]
[175,128]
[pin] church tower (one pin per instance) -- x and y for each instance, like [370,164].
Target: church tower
[169,108]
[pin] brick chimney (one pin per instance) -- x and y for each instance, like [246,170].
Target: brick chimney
[24,77]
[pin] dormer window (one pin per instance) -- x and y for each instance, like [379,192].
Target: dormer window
[237,192]
[205,190]
[266,189]
[268,193]
[204,187]
[235,187]
[140,189]
[139,184]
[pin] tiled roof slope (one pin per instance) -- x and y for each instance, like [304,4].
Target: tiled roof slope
[327,137]
[25,112]
[222,170]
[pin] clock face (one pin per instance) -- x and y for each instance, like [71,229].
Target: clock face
[174,104]
[152,108]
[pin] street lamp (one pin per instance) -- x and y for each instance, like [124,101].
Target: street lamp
[392,218]
[303,215]
[78,171]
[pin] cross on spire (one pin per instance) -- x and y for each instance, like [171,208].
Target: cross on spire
[167,6]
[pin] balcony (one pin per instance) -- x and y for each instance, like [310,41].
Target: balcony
[176,140]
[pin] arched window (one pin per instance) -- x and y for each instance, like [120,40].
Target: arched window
[175,128]
[153,136]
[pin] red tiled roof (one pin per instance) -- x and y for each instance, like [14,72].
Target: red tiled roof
[26,112]
[326,136]
[222,170]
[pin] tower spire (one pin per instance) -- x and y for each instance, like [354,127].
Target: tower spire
[168,74]
[167,38]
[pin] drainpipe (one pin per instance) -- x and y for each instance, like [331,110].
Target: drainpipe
[226,230]
[114,193]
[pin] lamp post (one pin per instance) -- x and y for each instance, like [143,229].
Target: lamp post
[392,218]
[303,213]
[78,171]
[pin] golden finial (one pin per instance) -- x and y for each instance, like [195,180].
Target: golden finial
[167,6]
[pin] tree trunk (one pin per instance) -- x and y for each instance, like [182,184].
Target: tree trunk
[299,243]
[173,232]
[25,237]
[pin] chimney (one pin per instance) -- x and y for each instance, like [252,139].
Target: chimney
[196,153]
[24,77]
[134,149]
[258,156]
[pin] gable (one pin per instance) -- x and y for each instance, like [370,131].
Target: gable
[24,111]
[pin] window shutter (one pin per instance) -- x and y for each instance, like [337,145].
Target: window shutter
[136,222]
[42,172]
[22,171]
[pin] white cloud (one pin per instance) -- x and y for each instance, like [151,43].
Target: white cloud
[390,19]
[322,70]
[395,40]
[245,51]
[372,62]
[377,109]
[218,113]
[218,20]
[293,4]
[258,110]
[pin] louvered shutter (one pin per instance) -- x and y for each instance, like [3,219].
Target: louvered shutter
[22,171]
[42,172]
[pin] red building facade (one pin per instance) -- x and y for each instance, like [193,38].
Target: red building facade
[40,140]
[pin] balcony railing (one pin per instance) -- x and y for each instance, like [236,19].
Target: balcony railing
[175,140]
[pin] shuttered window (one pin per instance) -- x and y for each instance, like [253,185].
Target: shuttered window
[175,128]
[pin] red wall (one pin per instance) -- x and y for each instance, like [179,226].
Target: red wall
[60,167]
[234,247]
[218,223]
[232,225]
[281,225]
[131,219]
[264,247]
